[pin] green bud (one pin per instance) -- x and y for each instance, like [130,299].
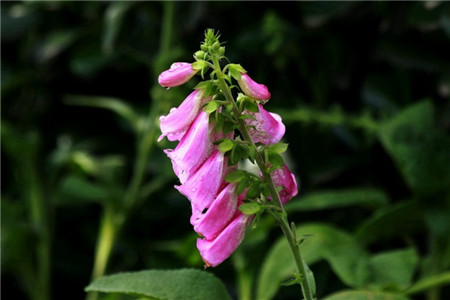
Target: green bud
[200,54]
[204,47]
[221,50]
[216,46]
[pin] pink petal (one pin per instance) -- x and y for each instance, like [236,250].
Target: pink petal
[219,214]
[175,125]
[268,127]
[179,73]
[215,251]
[194,148]
[253,89]
[284,178]
[202,187]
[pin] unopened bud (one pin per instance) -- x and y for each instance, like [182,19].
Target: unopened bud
[200,54]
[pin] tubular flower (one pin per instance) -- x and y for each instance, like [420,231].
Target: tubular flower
[194,148]
[268,127]
[253,89]
[215,251]
[179,73]
[203,186]
[284,178]
[218,215]
[178,121]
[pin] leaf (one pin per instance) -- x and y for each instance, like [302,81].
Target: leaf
[118,106]
[394,268]
[429,282]
[236,70]
[211,107]
[366,197]
[347,259]
[404,217]
[226,145]
[364,295]
[279,147]
[235,176]
[250,208]
[183,284]
[74,187]
[250,105]
[418,148]
[114,16]
[275,160]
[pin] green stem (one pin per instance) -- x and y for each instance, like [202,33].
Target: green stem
[112,220]
[39,215]
[280,217]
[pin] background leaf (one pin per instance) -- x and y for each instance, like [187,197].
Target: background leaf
[182,284]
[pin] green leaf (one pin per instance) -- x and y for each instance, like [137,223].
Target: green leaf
[211,107]
[394,269]
[365,197]
[275,160]
[235,176]
[250,208]
[236,70]
[114,16]
[279,147]
[226,145]
[418,148]
[429,282]
[183,284]
[74,187]
[198,65]
[364,295]
[404,217]
[250,105]
[346,257]
[118,106]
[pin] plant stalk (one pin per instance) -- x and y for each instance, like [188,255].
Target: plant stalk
[280,217]
[112,221]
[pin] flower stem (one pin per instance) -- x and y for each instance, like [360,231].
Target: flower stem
[280,217]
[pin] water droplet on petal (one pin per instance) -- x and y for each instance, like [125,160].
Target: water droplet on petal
[168,88]
[194,190]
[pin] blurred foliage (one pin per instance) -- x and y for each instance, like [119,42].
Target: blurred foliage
[364,91]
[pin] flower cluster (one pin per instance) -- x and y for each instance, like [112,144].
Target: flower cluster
[202,166]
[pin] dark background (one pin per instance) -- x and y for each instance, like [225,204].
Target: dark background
[337,72]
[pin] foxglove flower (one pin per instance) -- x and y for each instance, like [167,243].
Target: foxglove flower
[215,251]
[203,186]
[194,148]
[179,73]
[268,127]
[218,215]
[284,178]
[253,89]
[175,125]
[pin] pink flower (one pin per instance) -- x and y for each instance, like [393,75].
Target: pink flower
[284,178]
[218,215]
[215,251]
[268,127]
[179,73]
[175,125]
[253,89]
[194,148]
[203,186]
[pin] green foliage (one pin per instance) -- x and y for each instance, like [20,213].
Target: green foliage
[365,295]
[419,148]
[158,284]
[364,197]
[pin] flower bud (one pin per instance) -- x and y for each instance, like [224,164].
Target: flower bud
[179,73]
[200,54]
[253,89]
